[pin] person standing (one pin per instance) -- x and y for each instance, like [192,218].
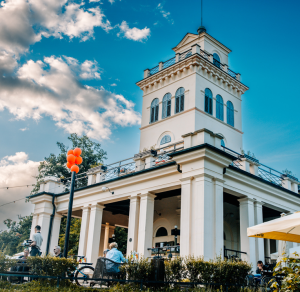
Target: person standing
[37,241]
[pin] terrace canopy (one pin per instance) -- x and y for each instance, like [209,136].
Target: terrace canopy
[286,228]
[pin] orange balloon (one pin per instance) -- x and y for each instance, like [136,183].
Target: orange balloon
[77,151]
[69,165]
[75,168]
[70,152]
[78,160]
[71,158]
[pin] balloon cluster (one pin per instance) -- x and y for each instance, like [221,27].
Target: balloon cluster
[74,158]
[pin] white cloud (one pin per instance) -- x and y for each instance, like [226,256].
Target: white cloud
[16,170]
[24,22]
[24,129]
[52,88]
[111,1]
[164,13]
[134,33]
[114,84]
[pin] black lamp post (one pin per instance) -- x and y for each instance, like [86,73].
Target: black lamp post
[66,246]
[112,239]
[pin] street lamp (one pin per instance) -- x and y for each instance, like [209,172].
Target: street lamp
[73,159]
[175,232]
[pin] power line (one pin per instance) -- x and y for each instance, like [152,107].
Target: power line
[17,187]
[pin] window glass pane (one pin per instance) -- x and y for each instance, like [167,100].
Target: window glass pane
[219,108]
[166,105]
[154,110]
[161,232]
[222,143]
[230,113]
[165,139]
[208,101]
[179,100]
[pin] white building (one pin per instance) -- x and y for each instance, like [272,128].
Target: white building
[183,175]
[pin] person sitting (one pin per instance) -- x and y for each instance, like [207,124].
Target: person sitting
[260,267]
[57,252]
[22,268]
[115,255]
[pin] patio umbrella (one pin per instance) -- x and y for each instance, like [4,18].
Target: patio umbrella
[286,228]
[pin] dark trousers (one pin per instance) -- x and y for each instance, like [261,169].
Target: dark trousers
[34,252]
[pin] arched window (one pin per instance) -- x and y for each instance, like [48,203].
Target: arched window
[162,231]
[179,100]
[222,143]
[208,101]
[230,113]
[154,110]
[216,60]
[220,108]
[166,106]
[165,139]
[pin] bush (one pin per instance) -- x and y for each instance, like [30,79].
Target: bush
[289,269]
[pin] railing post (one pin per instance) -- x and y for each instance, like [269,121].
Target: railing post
[225,68]
[146,73]
[211,58]
[195,49]
[177,57]
[238,77]
[160,66]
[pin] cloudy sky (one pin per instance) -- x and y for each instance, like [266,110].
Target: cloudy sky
[71,66]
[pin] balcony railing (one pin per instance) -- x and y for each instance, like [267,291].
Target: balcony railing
[163,156]
[265,172]
[187,54]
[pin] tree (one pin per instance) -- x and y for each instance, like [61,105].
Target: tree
[55,165]
[11,239]
[74,235]
[121,238]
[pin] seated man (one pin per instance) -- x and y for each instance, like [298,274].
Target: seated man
[260,267]
[57,251]
[115,255]
[22,268]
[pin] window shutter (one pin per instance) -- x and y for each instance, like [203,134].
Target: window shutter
[210,106]
[206,103]
[152,115]
[163,109]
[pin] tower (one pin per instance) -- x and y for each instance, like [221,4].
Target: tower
[193,90]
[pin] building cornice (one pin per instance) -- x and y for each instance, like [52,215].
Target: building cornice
[194,63]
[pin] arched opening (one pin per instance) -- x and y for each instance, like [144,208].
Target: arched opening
[220,108]
[230,113]
[216,60]
[162,231]
[165,139]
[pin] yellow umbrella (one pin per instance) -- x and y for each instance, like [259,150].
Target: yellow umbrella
[286,228]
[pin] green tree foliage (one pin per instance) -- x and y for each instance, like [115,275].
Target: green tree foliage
[55,165]
[74,235]
[121,238]
[17,232]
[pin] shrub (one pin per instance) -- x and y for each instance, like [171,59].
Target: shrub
[175,270]
[289,269]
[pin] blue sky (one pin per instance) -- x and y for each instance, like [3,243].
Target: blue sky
[120,40]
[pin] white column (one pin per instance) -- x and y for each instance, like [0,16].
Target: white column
[247,220]
[219,217]
[259,242]
[44,222]
[93,242]
[145,236]
[133,224]
[202,214]
[35,218]
[106,236]
[55,232]
[185,217]
[84,228]
[267,249]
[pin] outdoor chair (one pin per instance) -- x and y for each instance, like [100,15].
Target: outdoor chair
[106,269]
